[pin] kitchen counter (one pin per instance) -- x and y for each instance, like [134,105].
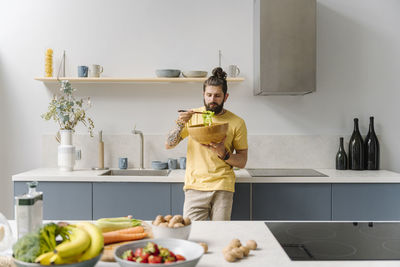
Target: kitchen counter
[269,253]
[177,176]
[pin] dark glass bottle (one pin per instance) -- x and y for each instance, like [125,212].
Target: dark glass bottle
[371,148]
[341,157]
[356,149]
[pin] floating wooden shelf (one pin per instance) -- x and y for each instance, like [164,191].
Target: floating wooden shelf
[129,80]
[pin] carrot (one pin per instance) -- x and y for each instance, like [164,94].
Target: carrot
[112,237]
[130,230]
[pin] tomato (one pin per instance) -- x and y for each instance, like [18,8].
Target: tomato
[155,259]
[180,257]
[138,252]
[145,255]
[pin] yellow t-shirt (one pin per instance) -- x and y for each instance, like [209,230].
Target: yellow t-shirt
[205,171]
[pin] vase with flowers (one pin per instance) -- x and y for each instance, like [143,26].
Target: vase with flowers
[67,112]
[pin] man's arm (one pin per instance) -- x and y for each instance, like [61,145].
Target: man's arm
[174,136]
[239,159]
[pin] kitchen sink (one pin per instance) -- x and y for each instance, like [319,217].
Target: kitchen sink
[137,173]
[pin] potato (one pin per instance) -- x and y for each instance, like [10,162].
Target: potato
[227,249]
[177,225]
[186,221]
[238,253]
[229,256]
[235,243]
[178,218]
[205,246]
[251,244]
[245,250]
[159,219]
[164,224]
[171,223]
[167,217]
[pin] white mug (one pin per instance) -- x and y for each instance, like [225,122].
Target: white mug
[233,71]
[95,70]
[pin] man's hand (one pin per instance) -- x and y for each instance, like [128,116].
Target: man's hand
[184,117]
[218,148]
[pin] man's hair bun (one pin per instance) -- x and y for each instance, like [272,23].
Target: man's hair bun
[219,73]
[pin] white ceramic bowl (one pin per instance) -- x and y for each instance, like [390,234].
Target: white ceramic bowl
[89,263]
[190,250]
[168,232]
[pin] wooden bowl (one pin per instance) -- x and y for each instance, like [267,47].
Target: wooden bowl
[208,134]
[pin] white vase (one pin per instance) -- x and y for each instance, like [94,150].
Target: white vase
[66,152]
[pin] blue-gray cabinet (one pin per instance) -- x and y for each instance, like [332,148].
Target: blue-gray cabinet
[367,202]
[63,200]
[291,201]
[141,200]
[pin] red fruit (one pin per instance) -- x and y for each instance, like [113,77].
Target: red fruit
[167,261]
[138,252]
[129,258]
[180,257]
[171,254]
[155,259]
[145,255]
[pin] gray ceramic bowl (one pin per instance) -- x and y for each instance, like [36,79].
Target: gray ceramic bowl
[194,74]
[159,165]
[190,250]
[168,73]
[88,263]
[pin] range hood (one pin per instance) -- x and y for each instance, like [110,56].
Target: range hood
[284,47]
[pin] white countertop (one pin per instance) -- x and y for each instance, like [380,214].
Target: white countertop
[177,176]
[218,234]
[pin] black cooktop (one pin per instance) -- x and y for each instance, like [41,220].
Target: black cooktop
[309,241]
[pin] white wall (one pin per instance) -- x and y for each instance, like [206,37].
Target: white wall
[357,69]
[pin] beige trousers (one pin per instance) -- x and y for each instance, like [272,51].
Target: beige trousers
[203,205]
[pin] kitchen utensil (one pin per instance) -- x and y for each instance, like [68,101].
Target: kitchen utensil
[158,165]
[194,74]
[169,73]
[182,163]
[190,250]
[83,71]
[233,71]
[95,70]
[196,112]
[172,164]
[123,163]
[171,232]
[89,263]
[208,134]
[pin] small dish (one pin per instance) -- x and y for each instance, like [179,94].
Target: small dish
[194,74]
[159,165]
[168,73]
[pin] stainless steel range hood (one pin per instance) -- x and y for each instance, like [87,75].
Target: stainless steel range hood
[284,47]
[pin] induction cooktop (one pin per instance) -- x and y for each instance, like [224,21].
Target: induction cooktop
[285,173]
[308,241]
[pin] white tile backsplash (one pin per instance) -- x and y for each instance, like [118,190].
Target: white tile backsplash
[265,151]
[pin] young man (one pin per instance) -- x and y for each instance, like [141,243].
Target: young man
[210,180]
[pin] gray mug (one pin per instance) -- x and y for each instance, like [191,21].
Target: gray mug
[182,163]
[172,164]
[123,163]
[83,71]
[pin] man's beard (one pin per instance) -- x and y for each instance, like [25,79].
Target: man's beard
[216,109]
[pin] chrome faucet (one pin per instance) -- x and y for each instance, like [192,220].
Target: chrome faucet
[140,133]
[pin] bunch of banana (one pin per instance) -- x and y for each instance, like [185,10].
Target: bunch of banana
[85,241]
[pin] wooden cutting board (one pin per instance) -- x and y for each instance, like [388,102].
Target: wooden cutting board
[108,253]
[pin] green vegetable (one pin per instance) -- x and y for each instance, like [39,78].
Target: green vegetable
[112,224]
[207,117]
[38,242]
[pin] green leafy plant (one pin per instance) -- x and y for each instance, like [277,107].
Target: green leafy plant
[67,111]
[207,117]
